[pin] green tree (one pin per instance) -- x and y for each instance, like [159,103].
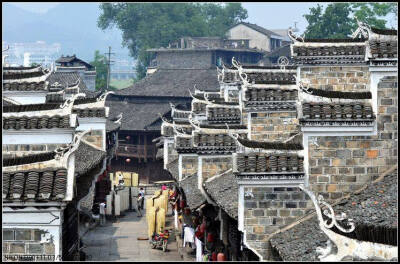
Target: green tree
[100,62]
[155,25]
[339,20]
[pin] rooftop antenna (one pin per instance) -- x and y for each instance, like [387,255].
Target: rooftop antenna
[5,56]
[295,29]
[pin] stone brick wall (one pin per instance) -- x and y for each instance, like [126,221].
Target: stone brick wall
[187,59]
[337,78]
[215,166]
[172,154]
[343,164]
[17,242]
[274,126]
[189,165]
[270,209]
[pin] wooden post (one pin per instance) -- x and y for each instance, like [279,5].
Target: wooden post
[145,148]
[138,149]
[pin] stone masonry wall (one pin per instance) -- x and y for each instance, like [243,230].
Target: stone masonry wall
[270,209]
[343,164]
[189,165]
[274,126]
[19,242]
[215,166]
[337,78]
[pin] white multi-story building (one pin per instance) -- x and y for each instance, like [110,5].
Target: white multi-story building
[26,53]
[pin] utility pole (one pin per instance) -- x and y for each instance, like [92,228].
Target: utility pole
[108,66]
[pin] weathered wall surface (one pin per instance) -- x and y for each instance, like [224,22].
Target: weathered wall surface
[337,78]
[343,164]
[185,60]
[215,166]
[189,165]
[18,242]
[257,40]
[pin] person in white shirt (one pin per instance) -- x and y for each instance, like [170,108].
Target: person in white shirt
[102,213]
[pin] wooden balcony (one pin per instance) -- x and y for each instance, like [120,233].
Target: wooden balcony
[137,151]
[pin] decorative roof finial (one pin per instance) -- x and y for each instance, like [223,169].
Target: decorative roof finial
[363,30]
[283,61]
[293,36]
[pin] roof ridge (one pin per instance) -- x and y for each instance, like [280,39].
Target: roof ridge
[217,176]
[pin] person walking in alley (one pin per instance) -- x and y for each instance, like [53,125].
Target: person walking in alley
[140,203]
[103,213]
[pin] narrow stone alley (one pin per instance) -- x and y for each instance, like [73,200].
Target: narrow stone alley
[117,241]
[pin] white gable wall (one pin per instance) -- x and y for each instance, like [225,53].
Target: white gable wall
[257,39]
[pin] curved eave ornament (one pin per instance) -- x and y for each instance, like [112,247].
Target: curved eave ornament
[346,247]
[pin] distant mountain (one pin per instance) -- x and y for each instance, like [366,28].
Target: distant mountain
[73,25]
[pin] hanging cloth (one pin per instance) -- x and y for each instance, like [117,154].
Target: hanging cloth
[188,235]
[199,250]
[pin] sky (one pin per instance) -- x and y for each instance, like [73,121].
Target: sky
[269,15]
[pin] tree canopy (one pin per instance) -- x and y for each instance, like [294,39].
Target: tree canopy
[100,62]
[155,25]
[339,20]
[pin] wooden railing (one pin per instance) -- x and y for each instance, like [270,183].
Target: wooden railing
[137,151]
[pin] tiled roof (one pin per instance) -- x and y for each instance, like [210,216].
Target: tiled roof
[262,77]
[36,122]
[184,145]
[137,116]
[383,44]
[68,79]
[50,184]
[374,212]
[223,114]
[29,108]
[337,111]
[66,59]
[54,97]
[15,73]
[261,162]
[384,31]
[26,159]
[167,131]
[173,82]
[294,144]
[332,52]
[270,94]
[173,168]
[91,112]
[87,158]
[223,126]
[224,190]
[339,94]
[25,86]
[194,197]
[213,140]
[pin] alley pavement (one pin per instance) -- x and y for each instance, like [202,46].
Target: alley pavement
[117,241]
